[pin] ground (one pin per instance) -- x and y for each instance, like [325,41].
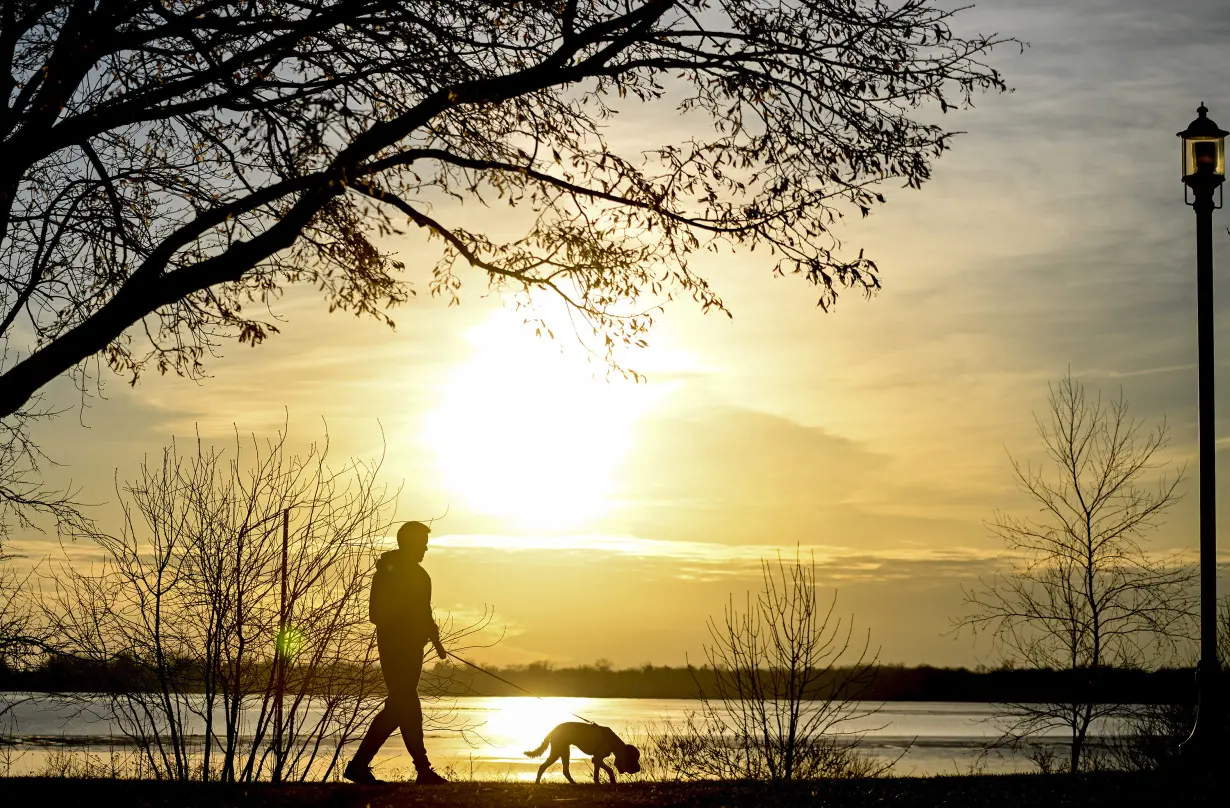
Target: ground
[1003,791]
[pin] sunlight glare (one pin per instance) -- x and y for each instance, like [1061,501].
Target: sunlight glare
[516,724]
[526,432]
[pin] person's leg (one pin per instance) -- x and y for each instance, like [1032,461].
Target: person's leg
[404,699]
[359,768]
[382,727]
[405,665]
[409,718]
[410,712]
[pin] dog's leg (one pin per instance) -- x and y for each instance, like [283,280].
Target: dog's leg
[551,758]
[564,759]
[599,767]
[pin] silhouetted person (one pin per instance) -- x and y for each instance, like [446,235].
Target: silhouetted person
[401,610]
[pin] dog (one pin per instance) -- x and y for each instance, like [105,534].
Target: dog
[592,739]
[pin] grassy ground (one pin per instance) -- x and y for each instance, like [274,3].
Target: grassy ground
[1003,791]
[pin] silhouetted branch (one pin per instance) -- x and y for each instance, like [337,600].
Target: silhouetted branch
[168,163]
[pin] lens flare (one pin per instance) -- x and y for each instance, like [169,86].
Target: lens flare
[290,642]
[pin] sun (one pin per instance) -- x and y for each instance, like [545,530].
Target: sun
[530,433]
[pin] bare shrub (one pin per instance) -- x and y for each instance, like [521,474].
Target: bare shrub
[1151,737]
[780,702]
[236,593]
[22,638]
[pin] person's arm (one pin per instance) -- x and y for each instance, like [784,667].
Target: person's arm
[433,629]
[435,640]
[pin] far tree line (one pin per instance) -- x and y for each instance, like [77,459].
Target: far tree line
[889,683]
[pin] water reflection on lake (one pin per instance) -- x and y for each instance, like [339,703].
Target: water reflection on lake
[929,737]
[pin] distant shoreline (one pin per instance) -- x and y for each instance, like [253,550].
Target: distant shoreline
[891,683]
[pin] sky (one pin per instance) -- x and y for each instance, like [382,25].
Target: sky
[602,519]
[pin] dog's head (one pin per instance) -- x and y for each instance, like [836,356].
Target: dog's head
[628,759]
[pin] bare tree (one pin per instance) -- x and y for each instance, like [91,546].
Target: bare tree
[25,639]
[22,637]
[1081,592]
[238,587]
[27,502]
[168,165]
[781,700]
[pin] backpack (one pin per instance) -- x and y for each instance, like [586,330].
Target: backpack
[388,586]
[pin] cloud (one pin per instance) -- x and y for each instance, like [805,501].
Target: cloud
[712,560]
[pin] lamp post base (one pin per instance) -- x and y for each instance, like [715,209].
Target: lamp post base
[1207,743]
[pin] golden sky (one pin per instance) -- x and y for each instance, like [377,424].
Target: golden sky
[605,519]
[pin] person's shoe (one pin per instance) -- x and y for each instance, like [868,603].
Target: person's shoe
[429,777]
[355,772]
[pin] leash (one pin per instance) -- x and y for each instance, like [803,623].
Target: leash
[510,684]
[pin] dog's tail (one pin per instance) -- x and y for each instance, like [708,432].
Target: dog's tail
[542,747]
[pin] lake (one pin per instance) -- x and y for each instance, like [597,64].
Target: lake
[926,738]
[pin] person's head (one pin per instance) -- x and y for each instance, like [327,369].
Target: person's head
[412,537]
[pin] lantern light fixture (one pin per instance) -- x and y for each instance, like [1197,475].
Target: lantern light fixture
[1204,152]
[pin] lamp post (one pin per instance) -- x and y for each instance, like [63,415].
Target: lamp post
[1204,171]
